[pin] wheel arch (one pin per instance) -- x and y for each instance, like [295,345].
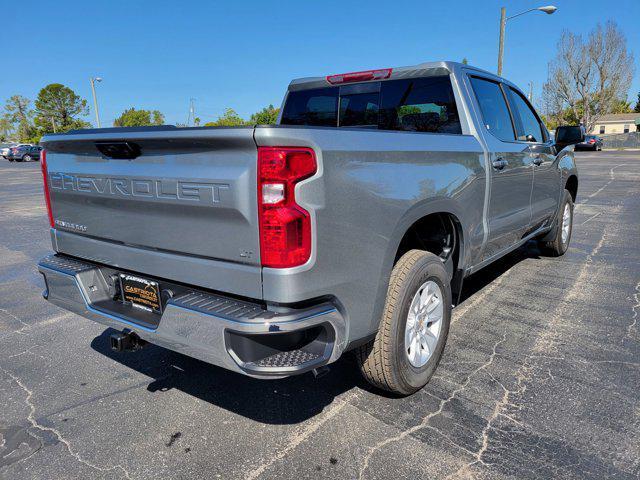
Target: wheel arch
[572,186]
[420,215]
[439,233]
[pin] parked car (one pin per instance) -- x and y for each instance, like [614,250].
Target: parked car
[24,153]
[348,226]
[591,142]
[6,149]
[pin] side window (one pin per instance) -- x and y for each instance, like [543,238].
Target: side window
[419,105]
[601,129]
[494,108]
[527,122]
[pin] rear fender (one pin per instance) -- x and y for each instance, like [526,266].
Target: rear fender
[418,211]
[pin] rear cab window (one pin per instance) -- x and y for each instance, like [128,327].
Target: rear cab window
[315,107]
[425,104]
[359,105]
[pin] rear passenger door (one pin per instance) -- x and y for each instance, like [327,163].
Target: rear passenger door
[509,211]
[546,176]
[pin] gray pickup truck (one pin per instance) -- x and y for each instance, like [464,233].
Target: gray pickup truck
[348,226]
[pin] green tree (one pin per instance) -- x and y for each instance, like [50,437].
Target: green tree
[408,110]
[58,108]
[229,118]
[17,109]
[139,118]
[465,61]
[621,106]
[266,116]
[550,121]
[19,118]
[637,107]
[6,128]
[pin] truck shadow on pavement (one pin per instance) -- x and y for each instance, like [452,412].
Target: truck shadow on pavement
[286,401]
[483,278]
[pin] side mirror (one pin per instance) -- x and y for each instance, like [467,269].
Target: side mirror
[568,135]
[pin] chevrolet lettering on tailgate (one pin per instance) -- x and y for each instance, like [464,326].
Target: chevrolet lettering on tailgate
[138,187]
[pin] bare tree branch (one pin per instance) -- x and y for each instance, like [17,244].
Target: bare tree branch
[588,78]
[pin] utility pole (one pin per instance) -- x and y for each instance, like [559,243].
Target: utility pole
[503,24]
[95,101]
[549,9]
[192,112]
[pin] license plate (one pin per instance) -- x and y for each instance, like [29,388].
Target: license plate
[140,293]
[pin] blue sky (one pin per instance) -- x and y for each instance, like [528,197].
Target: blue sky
[242,54]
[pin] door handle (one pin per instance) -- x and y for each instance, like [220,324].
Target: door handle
[499,163]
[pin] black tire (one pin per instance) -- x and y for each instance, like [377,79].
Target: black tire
[552,244]
[10,159]
[384,361]
[26,158]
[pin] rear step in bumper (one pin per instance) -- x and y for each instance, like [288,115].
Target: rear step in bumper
[238,335]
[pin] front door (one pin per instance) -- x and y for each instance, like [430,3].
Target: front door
[546,175]
[546,182]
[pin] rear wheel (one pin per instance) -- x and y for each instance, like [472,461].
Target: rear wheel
[557,241]
[26,158]
[414,326]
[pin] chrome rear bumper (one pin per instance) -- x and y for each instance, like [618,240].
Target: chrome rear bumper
[243,336]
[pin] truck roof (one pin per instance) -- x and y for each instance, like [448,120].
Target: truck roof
[419,70]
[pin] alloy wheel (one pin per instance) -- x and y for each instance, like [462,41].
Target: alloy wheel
[424,323]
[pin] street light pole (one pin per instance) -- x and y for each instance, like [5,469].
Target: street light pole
[95,101]
[503,24]
[549,9]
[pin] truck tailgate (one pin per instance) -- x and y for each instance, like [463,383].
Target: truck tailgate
[189,192]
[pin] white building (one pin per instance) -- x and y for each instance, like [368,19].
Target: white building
[617,123]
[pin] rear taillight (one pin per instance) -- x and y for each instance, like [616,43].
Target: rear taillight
[379,74]
[285,227]
[45,180]
[592,141]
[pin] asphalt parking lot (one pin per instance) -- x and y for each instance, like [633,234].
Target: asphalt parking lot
[540,378]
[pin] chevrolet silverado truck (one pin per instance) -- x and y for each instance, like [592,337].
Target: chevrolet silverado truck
[349,225]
